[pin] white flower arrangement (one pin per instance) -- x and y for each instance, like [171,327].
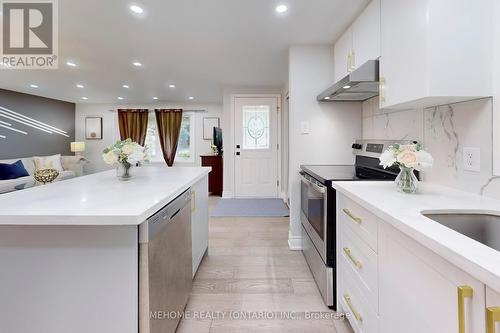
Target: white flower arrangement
[407,156]
[125,152]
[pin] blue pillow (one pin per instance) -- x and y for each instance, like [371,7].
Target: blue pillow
[12,171]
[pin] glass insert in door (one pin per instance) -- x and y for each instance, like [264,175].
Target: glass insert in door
[256,126]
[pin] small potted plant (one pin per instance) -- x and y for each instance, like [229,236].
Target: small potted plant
[408,158]
[125,155]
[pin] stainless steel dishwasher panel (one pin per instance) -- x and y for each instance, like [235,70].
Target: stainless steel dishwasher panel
[165,271]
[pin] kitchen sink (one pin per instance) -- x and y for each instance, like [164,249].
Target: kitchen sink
[484,228]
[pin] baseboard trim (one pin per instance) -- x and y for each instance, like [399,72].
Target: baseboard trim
[295,243]
[227,194]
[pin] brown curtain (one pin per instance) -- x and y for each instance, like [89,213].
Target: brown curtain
[133,124]
[169,127]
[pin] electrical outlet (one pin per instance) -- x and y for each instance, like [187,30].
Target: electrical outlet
[472,159]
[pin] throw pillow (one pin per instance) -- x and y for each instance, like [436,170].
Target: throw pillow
[12,171]
[48,162]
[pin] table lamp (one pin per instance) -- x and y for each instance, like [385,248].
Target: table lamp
[77,147]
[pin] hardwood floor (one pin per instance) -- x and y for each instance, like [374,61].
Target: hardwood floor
[251,272]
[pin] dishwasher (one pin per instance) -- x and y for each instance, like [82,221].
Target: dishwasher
[165,266]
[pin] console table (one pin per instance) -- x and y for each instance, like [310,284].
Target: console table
[215,176]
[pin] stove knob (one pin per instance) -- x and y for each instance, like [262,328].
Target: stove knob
[357,146]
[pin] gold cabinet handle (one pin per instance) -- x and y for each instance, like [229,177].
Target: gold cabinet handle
[356,314]
[463,293]
[349,62]
[193,199]
[381,88]
[358,220]
[353,60]
[492,317]
[355,261]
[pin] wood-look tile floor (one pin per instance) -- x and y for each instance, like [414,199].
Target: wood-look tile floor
[249,271]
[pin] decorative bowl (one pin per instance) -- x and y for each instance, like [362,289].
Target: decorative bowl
[45,176]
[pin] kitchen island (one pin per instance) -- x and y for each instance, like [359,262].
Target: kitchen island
[69,251]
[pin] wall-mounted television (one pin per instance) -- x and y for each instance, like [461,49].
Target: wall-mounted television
[218,139]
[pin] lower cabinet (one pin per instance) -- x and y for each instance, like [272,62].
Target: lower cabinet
[403,286]
[421,292]
[199,221]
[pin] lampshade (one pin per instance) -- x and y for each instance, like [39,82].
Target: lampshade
[77,147]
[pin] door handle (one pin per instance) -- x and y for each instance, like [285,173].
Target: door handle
[492,317]
[463,293]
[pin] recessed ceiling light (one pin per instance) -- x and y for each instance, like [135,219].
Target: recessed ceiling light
[191,97]
[33,86]
[126,86]
[71,63]
[85,98]
[120,98]
[136,9]
[281,9]
[155,98]
[171,85]
[137,64]
[327,97]
[80,86]
[346,87]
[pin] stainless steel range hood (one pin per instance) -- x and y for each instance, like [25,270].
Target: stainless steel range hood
[359,85]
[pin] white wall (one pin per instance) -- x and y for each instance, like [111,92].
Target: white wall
[94,148]
[444,131]
[228,130]
[333,126]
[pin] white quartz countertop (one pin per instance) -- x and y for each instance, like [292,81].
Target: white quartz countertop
[100,198]
[403,211]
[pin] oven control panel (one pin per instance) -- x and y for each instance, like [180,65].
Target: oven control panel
[374,148]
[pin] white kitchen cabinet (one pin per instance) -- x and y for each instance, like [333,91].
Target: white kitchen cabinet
[435,52]
[342,55]
[492,311]
[420,291]
[366,35]
[496,89]
[359,43]
[199,221]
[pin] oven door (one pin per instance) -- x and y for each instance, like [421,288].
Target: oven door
[313,212]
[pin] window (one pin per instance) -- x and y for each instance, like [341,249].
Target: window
[185,147]
[256,126]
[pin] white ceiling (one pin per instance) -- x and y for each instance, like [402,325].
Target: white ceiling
[200,46]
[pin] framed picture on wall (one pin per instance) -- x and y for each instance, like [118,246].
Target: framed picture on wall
[208,127]
[93,128]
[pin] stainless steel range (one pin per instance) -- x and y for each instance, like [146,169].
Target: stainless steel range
[318,200]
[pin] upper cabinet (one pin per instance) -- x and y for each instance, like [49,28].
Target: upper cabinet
[435,52]
[359,43]
[366,35]
[342,55]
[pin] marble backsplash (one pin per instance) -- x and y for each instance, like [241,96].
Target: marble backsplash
[444,131]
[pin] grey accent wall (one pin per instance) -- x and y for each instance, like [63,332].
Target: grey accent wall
[50,111]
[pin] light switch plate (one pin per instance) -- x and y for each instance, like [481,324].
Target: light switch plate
[472,159]
[304,127]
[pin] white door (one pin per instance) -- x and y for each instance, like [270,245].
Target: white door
[256,147]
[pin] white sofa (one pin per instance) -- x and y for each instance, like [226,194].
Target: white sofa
[72,167]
